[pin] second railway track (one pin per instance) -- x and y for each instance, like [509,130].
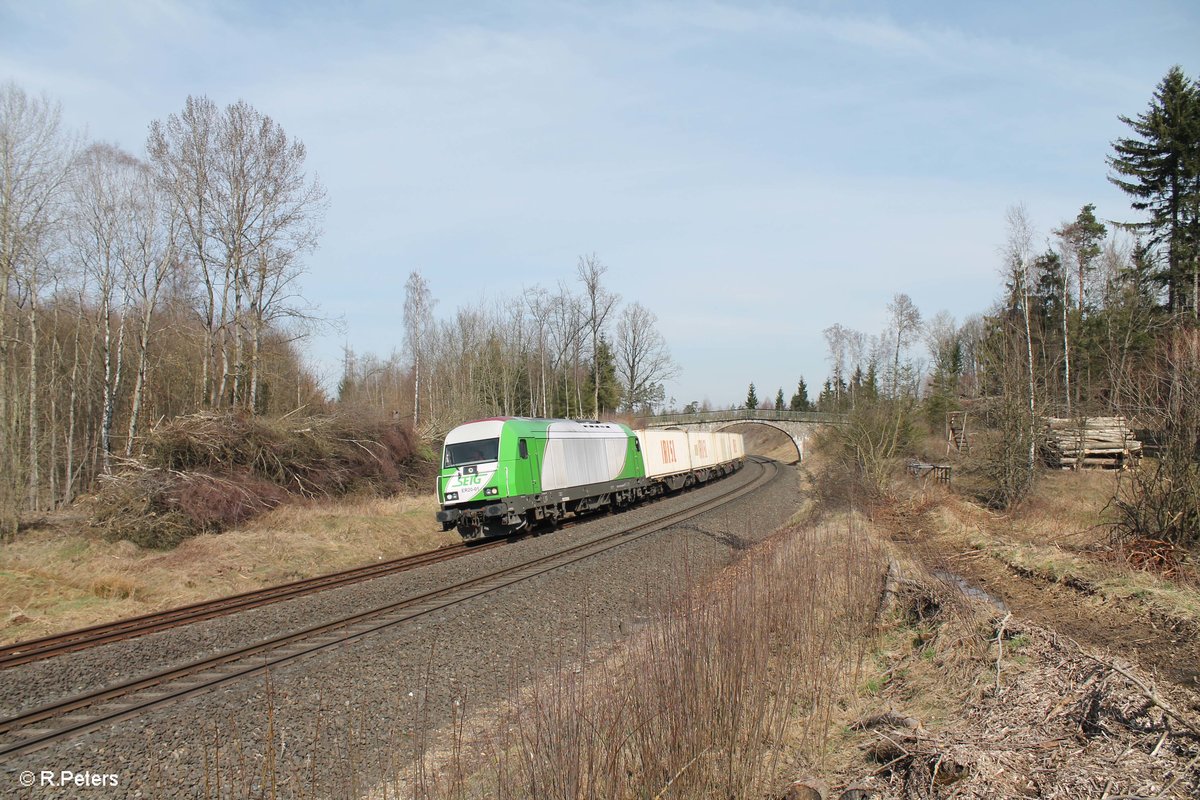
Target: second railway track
[49,646]
[39,727]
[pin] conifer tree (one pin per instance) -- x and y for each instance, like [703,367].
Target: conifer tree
[800,401]
[1082,239]
[1159,167]
[751,398]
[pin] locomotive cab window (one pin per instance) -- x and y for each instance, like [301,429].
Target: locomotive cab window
[471,452]
[523,448]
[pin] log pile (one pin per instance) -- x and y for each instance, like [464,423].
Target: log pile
[1094,442]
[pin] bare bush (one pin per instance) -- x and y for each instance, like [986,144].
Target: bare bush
[1160,499]
[208,472]
[702,704]
[864,451]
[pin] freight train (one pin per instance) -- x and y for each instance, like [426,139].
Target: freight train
[505,474]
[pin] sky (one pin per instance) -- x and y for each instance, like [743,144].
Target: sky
[752,172]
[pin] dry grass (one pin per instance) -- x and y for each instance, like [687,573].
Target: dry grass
[1059,535]
[706,701]
[966,702]
[55,579]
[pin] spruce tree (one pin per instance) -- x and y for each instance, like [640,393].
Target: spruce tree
[800,401]
[779,405]
[1159,167]
[751,398]
[825,402]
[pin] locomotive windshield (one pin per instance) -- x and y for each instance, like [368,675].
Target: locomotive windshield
[471,452]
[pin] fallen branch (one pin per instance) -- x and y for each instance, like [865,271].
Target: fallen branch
[676,776]
[1000,647]
[1147,691]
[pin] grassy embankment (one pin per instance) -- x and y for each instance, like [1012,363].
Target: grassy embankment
[220,505]
[799,662]
[67,575]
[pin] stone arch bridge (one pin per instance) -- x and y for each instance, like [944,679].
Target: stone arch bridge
[798,425]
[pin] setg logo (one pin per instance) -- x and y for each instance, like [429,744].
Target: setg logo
[469,485]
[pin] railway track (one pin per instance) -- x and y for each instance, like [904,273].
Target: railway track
[48,646]
[37,728]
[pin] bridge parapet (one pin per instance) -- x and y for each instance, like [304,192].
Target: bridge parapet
[798,425]
[746,415]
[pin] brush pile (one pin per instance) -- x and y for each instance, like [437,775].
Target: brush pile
[1097,442]
[206,472]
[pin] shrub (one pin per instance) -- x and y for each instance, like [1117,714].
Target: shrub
[207,472]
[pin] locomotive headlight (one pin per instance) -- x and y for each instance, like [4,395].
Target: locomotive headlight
[451,495]
[491,491]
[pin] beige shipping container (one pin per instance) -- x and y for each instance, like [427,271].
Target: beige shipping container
[702,446]
[739,445]
[664,452]
[724,446]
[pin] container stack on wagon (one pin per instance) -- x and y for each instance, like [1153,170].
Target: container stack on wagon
[503,474]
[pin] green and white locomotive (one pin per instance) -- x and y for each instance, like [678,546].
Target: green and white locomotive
[501,475]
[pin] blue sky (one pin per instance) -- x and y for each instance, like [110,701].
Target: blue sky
[752,172]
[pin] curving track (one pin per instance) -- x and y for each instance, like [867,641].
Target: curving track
[35,649]
[39,727]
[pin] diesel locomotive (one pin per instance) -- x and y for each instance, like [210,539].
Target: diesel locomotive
[504,474]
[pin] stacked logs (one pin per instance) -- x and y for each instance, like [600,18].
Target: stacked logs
[1094,442]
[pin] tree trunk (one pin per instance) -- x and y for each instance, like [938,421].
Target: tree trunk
[107,400]
[35,454]
[69,476]
[139,383]
[416,385]
[8,514]
[1029,361]
[1066,341]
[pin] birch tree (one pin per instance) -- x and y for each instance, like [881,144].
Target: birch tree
[181,149]
[600,304]
[35,161]
[250,213]
[905,326]
[643,360]
[149,259]
[1017,253]
[418,310]
[104,243]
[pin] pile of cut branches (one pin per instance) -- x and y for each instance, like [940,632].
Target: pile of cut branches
[207,472]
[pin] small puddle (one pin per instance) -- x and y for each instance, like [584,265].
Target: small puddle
[970,589]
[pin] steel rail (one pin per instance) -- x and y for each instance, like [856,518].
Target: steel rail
[245,662]
[24,652]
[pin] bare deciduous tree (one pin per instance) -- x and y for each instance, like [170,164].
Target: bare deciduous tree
[905,327]
[1017,251]
[837,339]
[35,159]
[105,243]
[418,310]
[600,303]
[643,360]
[182,152]
[250,213]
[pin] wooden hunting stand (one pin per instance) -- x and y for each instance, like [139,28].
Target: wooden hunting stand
[956,432]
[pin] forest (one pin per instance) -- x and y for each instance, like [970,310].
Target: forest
[1102,321]
[137,289]
[141,288]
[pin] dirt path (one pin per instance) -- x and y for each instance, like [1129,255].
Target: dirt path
[1168,650]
